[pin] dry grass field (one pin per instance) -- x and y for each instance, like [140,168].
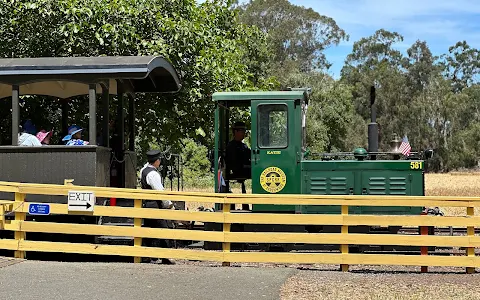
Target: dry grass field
[453,184]
[449,184]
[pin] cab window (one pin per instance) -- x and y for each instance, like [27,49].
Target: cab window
[273,126]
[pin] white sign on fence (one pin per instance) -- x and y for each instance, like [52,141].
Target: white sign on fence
[81,201]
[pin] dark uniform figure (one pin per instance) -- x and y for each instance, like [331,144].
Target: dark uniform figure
[238,158]
[150,179]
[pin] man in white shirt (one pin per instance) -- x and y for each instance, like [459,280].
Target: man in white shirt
[28,140]
[150,179]
[27,137]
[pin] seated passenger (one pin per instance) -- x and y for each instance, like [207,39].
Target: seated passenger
[238,155]
[44,137]
[74,137]
[27,137]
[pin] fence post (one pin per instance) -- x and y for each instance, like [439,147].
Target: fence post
[470,232]
[19,217]
[226,228]
[2,216]
[137,222]
[68,181]
[424,249]
[343,247]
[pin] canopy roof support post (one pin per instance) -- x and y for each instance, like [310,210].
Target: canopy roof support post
[64,116]
[121,116]
[92,113]
[120,153]
[106,116]
[131,122]
[15,114]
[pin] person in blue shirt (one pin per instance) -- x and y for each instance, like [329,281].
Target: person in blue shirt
[74,136]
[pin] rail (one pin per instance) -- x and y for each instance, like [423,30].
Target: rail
[20,226]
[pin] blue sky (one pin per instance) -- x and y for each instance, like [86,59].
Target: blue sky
[440,23]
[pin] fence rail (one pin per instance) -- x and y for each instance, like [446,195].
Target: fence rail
[20,226]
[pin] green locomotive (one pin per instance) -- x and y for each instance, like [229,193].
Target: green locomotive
[281,163]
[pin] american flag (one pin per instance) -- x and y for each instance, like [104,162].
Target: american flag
[405,146]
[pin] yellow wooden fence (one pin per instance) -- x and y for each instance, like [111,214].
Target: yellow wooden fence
[20,227]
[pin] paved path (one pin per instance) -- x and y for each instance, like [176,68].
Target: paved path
[57,280]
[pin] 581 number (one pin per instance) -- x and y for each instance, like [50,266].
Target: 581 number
[416,165]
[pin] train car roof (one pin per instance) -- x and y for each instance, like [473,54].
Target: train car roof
[259,95]
[65,77]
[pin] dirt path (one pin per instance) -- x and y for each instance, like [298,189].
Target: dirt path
[371,282]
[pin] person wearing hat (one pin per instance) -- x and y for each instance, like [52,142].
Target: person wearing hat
[27,137]
[238,158]
[74,136]
[150,179]
[44,136]
[238,155]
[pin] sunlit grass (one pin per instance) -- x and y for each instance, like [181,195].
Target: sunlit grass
[453,184]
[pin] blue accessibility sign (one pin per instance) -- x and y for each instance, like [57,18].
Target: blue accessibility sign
[39,209]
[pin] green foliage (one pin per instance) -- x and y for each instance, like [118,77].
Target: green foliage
[330,111]
[462,65]
[196,164]
[211,50]
[465,148]
[434,102]
[297,35]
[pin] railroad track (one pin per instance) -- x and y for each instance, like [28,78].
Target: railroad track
[442,230]
[410,230]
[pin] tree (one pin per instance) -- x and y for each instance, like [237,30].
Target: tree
[196,164]
[298,36]
[330,111]
[205,43]
[373,51]
[462,65]
[420,66]
[375,62]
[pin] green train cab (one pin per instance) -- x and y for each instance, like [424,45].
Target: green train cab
[281,164]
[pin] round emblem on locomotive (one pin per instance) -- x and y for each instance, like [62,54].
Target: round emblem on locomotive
[273,179]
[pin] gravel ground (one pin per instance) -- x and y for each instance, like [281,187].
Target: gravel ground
[266,281]
[104,281]
[374,282]
[370,282]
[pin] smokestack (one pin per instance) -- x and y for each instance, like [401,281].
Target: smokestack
[373,126]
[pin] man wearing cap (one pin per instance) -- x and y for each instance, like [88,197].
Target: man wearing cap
[238,158]
[150,179]
[74,136]
[238,155]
